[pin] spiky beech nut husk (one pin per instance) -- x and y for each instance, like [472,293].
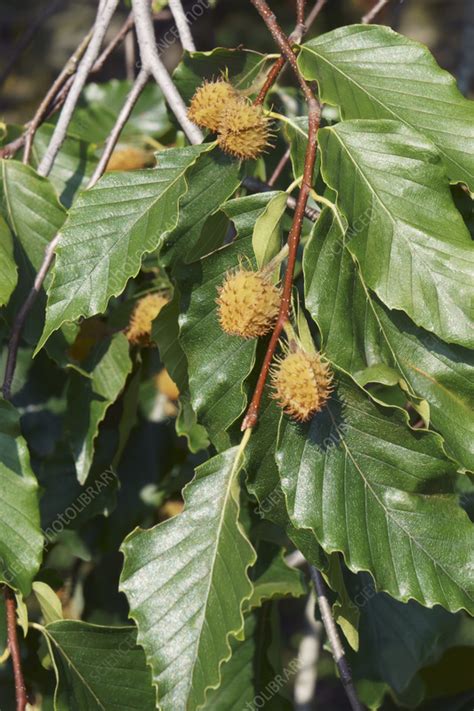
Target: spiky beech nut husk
[248,303]
[209,102]
[129,158]
[146,310]
[166,385]
[302,383]
[244,129]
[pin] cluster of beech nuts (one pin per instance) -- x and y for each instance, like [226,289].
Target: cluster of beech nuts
[242,128]
[247,306]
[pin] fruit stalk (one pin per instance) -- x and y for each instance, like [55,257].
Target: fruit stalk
[251,417]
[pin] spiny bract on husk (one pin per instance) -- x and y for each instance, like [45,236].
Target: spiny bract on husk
[244,129]
[209,102]
[146,310]
[248,304]
[302,383]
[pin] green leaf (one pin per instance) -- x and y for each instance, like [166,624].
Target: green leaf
[398,639]
[49,602]
[21,540]
[100,104]
[381,494]
[263,482]
[73,166]
[65,504]
[8,268]
[374,73]
[88,399]
[412,245]
[165,333]
[35,216]
[109,229]
[98,668]
[32,209]
[272,577]
[218,363]
[212,180]
[250,677]
[186,582]
[361,336]
[266,238]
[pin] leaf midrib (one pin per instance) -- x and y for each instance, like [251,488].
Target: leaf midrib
[228,495]
[73,667]
[351,80]
[388,513]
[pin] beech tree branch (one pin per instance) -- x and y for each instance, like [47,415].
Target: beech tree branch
[58,92]
[122,118]
[296,36]
[14,647]
[104,16]
[280,167]
[20,319]
[152,62]
[284,45]
[38,118]
[334,639]
[372,14]
[185,36]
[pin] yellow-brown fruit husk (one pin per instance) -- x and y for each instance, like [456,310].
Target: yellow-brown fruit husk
[146,310]
[302,384]
[244,129]
[166,385]
[209,102]
[248,304]
[129,158]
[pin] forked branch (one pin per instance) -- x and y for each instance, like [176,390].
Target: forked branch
[104,15]
[284,45]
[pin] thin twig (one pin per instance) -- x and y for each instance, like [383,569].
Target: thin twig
[130,59]
[58,100]
[300,6]
[280,168]
[100,28]
[271,78]
[152,62]
[284,45]
[28,36]
[111,47]
[334,639]
[295,37]
[14,647]
[315,12]
[69,69]
[185,36]
[372,14]
[21,316]
[122,118]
